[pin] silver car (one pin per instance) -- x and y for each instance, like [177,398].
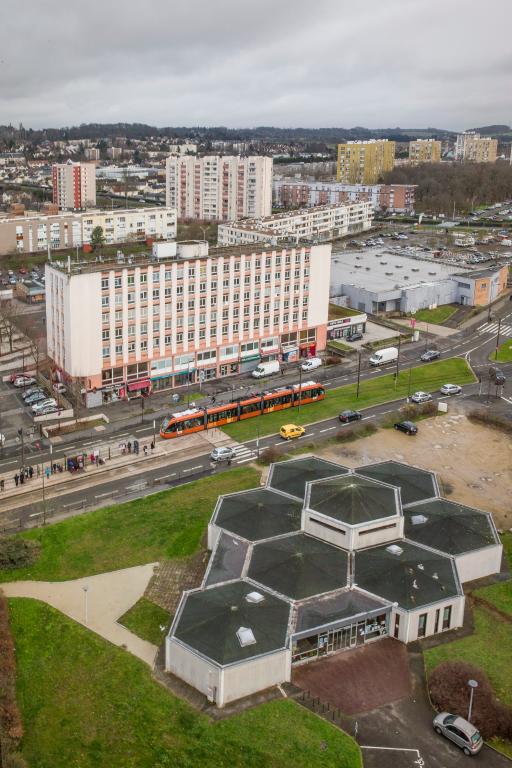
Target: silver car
[223,453]
[450,389]
[458,730]
[421,397]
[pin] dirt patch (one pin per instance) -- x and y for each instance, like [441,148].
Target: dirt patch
[360,679]
[173,577]
[473,462]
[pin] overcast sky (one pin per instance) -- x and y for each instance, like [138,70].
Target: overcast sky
[378,63]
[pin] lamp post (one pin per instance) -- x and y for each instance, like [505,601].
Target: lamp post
[154,431]
[188,384]
[398,358]
[358,372]
[497,339]
[142,409]
[300,388]
[472,685]
[20,435]
[409,383]
[85,589]
[426,339]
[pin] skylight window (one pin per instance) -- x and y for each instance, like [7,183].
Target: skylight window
[418,519]
[254,597]
[394,549]
[245,636]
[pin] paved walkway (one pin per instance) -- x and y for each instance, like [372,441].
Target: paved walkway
[108,596]
[430,328]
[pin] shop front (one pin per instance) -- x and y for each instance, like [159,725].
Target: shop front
[140,388]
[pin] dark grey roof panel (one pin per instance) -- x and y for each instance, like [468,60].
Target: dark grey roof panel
[227,560]
[325,610]
[353,500]
[259,514]
[292,476]
[448,526]
[415,484]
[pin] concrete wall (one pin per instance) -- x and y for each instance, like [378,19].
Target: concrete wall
[408,631]
[319,278]
[480,563]
[193,669]
[340,537]
[248,677]
[352,538]
[378,533]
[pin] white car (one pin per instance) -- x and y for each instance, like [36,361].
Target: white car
[24,381]
[59,387]
[450,389]
[38,407]
[311,363]
[421,397]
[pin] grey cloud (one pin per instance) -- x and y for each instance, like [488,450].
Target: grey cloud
[281,62]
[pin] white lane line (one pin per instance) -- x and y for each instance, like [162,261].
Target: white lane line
[142,429]
[242,461]
[191,469]
[35,514]
[327,429]
[280,443]
[372,416]
[327,382]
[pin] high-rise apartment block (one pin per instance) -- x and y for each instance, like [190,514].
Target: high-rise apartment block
[364,162]
[74,185]
[183,314]
[219,188]
[470,147]
[425,151]
[302,193]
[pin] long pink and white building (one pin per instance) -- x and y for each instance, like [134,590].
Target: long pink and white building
[183,314]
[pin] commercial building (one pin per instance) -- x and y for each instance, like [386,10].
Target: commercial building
[218,188]
[470,147]
[183,315]
[74,185]
[321,560]
[379,281]
[35,232]
[298,193]
[323,222]
[424,151]
[364,162]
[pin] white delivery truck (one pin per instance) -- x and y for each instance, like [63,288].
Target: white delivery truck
[266,369]
[387,355]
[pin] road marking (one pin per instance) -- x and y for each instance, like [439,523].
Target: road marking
[372,416]
[242,461]
[36,514]
[327,383]
[327,429]
[191,469]
[142,429]
[161,479]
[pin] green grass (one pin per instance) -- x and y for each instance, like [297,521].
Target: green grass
[341,346]
[499,595]
[163,525]
[380,389]
[87,704]
[145,619]
[504,353]
[435,316]
[335,311]
[489,648]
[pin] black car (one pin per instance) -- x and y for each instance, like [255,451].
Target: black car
[497,376]
[430,354]
[407,426]
[346,416]
[354,336]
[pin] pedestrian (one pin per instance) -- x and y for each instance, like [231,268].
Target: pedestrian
[2,484]
[22,477]
[129,447]
[145,450]
[26,473]
[152,445]
[16,479]
[47,472]
[31,472]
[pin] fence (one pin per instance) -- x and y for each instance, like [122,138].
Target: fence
[324,709]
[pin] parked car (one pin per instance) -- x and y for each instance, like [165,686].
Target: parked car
[59,387]
[267,368]
[31,391]
[450,389]
[346,416]
[497,376]
[421,397]
[311,363]
[222,454]
[40,406]
[290,431]
[429,355]
[24,381]
[44,410]
[356,336]
[387,355]
[409,427]
[36,397]
[458,730]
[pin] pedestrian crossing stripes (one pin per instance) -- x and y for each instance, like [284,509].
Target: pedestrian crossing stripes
[492,328]
[243,454]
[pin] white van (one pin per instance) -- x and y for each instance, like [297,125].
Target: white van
[266,369]
[388,355]
[311,363]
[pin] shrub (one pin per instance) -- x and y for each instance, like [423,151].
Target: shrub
[489,419]
[269,455]
[17,553]
[332,360]
[449,691]
[355,431]
[15,760]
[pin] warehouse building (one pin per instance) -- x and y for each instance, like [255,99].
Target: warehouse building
[321,560]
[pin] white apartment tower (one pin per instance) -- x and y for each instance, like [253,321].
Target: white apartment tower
[219,188]
[74,185]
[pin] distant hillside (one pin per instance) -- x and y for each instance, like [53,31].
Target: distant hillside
[493,130]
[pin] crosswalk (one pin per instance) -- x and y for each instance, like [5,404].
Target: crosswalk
[243,454]
[492,328]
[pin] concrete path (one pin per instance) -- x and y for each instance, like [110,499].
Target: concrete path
[108,597]
[430,328]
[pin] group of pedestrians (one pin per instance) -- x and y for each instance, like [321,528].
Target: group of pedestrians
[25,473]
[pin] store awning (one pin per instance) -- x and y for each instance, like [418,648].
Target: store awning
[136,385]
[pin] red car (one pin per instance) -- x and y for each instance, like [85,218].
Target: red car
[23,270]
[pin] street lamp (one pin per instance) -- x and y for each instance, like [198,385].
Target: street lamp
[20,435]
[85,589]
[300,387]
[358,372]
[472,685]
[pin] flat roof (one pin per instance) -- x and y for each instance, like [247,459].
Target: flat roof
[449,526]
[327,609]
[292,476]
[412,577]
[227,560]
[210,619]
[352,499]
[258,514]
[415,484]
[299,566]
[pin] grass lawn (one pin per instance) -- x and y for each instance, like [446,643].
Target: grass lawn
[163,525]
[336,311]
[499,595]
[340,345]
[504,352]
[372,391]
[87,704]
[436,316]
[145,619]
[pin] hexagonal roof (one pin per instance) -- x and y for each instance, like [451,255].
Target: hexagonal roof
[353,500]
[210,621]
[448,526]
[299,566]
[258,514]
[292,476]
[415,484]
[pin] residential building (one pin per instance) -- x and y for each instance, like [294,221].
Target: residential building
[183,314]
[219,188]
[299,193]
[321,560]
[470,147]
[92,153]
[364,162]
[424,151]
[38,232]
[114,153]
[323,222]
[30,291]
[74,185]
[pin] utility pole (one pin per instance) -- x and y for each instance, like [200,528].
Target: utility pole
[498,339]
[398,358]
[358,372]
[426,339]
[20,435]
[409,384]
[188,384]
[300,387]
[142,409]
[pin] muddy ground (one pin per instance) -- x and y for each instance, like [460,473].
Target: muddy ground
[473,462]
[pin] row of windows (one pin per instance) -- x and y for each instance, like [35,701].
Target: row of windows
[143,296]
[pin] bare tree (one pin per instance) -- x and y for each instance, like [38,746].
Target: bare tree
[9,317]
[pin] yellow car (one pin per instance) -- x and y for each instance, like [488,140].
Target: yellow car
[289,431]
